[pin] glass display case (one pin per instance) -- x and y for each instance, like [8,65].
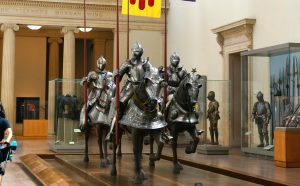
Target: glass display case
[274,72]
[215,117]
[65,102]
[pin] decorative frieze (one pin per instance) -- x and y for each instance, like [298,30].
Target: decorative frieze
[235,35]
[99,13]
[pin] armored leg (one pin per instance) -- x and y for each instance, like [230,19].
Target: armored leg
[261,136]
[265,134]
[212,138]
[216,135]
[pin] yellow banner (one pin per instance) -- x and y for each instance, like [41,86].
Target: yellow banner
[146,8]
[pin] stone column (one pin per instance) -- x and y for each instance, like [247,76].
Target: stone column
[69,59]
[8,70]
[54,57]
[53,74]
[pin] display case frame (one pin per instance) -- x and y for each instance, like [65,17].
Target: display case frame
[275,71]
[65,102]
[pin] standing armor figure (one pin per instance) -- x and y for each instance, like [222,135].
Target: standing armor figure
[262,114]
[135,69]
[175,73]
[213,116]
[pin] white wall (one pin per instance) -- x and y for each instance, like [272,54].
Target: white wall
[190,25]
[152,44]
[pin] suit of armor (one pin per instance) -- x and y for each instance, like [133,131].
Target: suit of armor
[175,73]
[213,116]
[262,114]
[135,69]
[102,90]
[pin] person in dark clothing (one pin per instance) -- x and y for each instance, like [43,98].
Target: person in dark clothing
[5,137]
[2,111]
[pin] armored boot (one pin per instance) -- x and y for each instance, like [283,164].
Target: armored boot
[217,136]
[212,136]
[266,139]
[261,139]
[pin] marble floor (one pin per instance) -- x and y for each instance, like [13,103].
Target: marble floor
[17,175]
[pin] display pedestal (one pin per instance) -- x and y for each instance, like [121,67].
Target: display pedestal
[212,149]
[287,147]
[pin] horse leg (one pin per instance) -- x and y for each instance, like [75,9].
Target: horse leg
[192,149]
[157,137]
[104,144]
[151,156]
[177,167]
[137,140]
[99,136]
[86,149]
[113,171]
[119,153]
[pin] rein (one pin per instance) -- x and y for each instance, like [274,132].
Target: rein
[179,107]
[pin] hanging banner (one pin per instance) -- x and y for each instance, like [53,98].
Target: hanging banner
[146,8]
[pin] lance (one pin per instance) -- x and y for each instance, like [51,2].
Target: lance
[117,79]
[294,71]
[165,64]
[279,82]
[298,80]
[85,66]
[287,76]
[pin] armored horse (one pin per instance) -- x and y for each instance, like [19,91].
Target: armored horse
[142,118]
[102,91]
[182,116]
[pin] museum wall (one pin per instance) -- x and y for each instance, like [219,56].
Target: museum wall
[152,42]
[30,69]
[190,25]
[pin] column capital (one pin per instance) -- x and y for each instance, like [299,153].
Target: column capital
[67,29]
[12,26]
[55,40]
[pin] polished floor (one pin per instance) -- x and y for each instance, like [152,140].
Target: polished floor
[17,175]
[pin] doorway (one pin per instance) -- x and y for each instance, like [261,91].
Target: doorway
[235,78]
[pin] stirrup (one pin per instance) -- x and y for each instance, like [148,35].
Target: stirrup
[166,138]
[199,132]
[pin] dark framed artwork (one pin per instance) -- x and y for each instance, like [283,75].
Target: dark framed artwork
[27,108]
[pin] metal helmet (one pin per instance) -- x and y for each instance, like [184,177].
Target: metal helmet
[101,63]
[174,59]
[260,96]
[137,50]
[211,95]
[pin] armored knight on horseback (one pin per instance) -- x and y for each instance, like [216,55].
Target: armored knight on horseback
[102,90]
[175,73]
[135,69]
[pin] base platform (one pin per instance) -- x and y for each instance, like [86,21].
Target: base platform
[212,149]
[82,173]
[66,148]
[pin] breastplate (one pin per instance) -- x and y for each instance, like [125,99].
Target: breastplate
[137,72]
[174,78]
[103,99]
[261,109]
